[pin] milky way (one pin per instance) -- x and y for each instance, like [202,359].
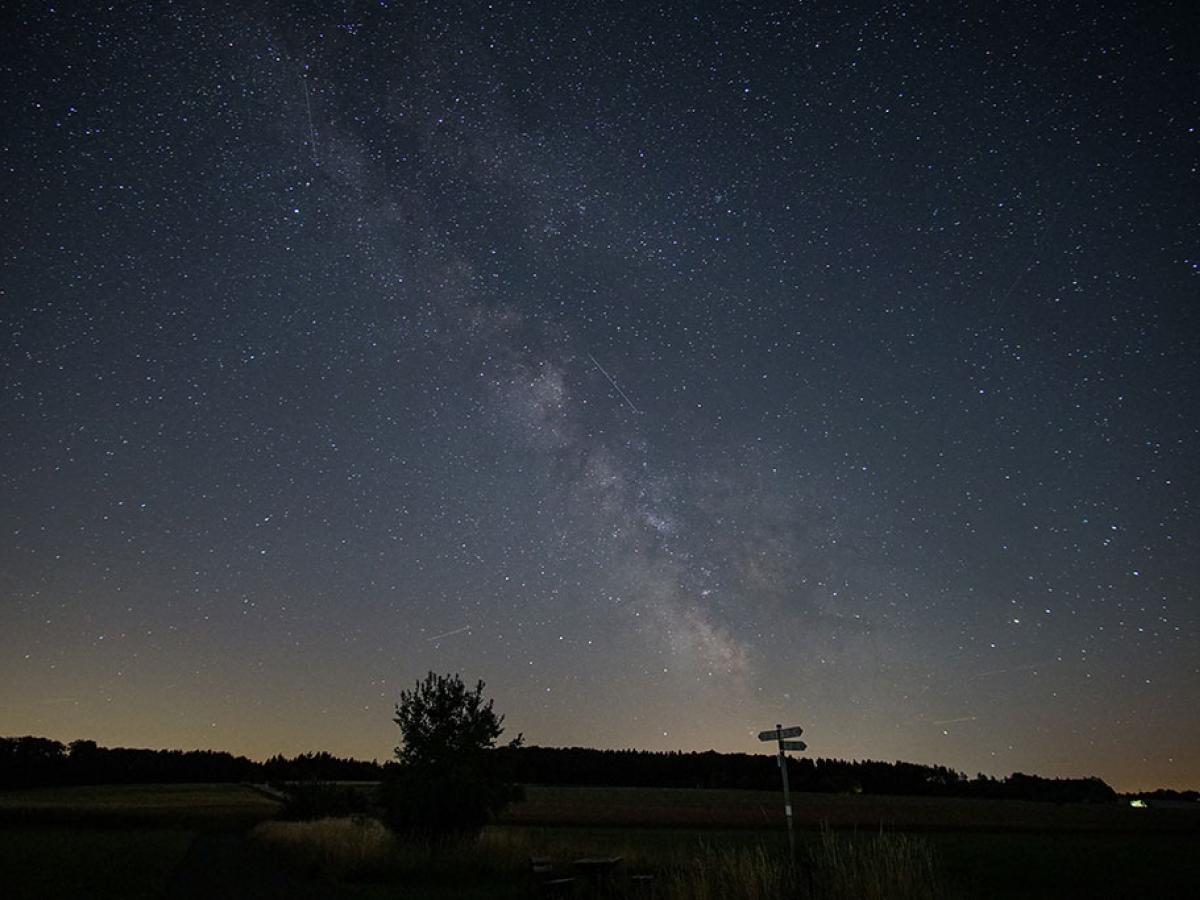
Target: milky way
[677,370]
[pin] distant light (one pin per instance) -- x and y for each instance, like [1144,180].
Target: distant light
[1138,804]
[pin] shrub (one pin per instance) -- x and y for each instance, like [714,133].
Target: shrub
[447,783]
[307,800]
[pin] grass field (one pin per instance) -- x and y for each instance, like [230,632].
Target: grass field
[987,866]
[968,865]
[112,841]
[191,841]
[53,861]
[701,808]
[173,805]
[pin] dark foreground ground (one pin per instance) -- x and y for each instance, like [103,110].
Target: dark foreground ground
[194,841]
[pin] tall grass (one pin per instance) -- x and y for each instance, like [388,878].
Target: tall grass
[831,866]
[729,874]
[879,867]
[362,849]
[336,849]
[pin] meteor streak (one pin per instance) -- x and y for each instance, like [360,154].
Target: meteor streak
[613,382]
[312,129]
[438,637]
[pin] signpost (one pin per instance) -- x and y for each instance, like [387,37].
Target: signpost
[778,735]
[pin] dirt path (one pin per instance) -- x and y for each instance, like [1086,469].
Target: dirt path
[223,864]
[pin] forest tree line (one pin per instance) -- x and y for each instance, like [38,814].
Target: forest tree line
[709,769]
[29,761]
[32,761]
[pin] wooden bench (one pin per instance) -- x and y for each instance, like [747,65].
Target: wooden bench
[596,868]
[548,880]
[553,879]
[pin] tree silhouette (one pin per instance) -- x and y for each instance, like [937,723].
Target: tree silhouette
[447,783]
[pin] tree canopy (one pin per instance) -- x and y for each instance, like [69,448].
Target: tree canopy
[446,782]
[441,720]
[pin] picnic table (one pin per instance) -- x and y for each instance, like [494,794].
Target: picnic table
[555,882]
[596,866]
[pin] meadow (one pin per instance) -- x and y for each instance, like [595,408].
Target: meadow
[714,808]
[224,840]
[113,841]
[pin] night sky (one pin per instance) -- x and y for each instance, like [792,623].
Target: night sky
[677,369]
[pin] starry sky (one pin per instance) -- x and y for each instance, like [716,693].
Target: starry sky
[676,368]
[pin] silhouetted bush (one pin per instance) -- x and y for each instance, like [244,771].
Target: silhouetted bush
[447,782]
[321,800]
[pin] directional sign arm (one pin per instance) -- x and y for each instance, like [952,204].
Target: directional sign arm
[778,734]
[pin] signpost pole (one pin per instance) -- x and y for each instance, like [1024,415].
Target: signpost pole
[780,735]
[787,794]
